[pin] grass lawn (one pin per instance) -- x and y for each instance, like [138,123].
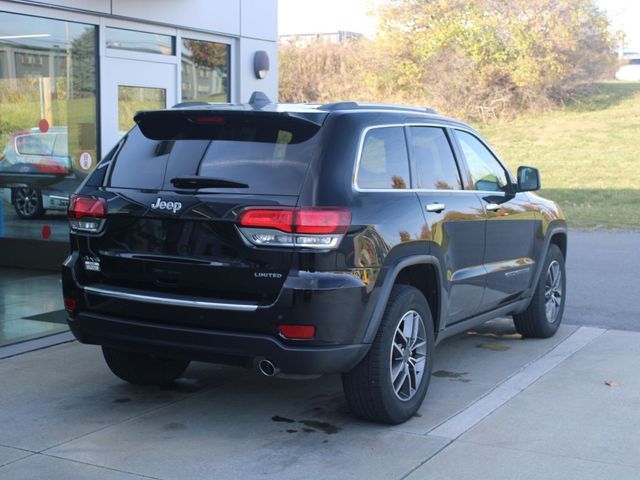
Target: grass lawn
[588,155]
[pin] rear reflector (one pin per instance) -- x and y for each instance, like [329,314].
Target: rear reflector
[86,214]
[297,332]
[70,304]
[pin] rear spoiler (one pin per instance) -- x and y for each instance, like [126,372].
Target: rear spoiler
[208,124]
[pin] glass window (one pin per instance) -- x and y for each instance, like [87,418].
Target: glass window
[47,147]
[384,162]
[132,99]
[47,121]
[134,41]
[435,164]
[205,71]
[486,172]
[270,154]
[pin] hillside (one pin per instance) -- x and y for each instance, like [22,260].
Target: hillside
[588,154]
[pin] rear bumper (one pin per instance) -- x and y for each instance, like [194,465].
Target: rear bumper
[213,346]
[208,329]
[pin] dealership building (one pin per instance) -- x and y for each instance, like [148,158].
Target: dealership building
[72,74]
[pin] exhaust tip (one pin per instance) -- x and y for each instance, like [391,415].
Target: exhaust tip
[267,368]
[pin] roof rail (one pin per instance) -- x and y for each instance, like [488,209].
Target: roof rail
[331,107]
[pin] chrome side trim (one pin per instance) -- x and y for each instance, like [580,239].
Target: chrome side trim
[171,300]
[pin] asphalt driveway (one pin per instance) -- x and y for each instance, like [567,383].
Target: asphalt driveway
[603,270]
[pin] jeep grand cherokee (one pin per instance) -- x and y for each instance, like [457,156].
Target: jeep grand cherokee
[342,238]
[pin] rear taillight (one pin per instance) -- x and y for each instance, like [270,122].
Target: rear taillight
[86,214]
[294,227]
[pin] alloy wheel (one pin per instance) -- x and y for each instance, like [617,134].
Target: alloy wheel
[27,201]
[553,291]
[408,355]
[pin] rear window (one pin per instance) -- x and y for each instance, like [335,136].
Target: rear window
[270,153]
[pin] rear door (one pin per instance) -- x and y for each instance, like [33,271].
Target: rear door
[181,240]
[455,218]
[510,232]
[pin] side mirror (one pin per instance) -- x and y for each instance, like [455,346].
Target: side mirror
[528,179]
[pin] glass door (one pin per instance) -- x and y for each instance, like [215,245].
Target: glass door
[133,85]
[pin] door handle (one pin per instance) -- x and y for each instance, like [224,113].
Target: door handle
[436,207]
[492,207]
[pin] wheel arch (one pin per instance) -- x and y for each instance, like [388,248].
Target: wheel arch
[420,271]
[556,235]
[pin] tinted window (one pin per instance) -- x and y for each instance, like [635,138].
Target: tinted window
[267,160]
[435,164]
[634,61]
[269,153]
[140,163]
[486,172]
[384,162]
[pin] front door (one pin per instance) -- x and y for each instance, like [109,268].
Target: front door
[455,219]
[510,234]
[133,85]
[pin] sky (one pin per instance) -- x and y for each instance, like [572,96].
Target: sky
[315,16]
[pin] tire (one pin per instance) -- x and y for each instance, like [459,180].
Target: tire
[143,369]
[27,202]
[537,321]
[369,389]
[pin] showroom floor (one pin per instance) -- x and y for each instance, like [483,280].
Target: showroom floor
[30,305]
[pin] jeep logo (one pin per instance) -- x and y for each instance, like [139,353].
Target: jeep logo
[162,205]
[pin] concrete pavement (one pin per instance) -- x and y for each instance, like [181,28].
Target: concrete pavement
[64,416]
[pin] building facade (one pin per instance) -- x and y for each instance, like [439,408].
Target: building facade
[73,73]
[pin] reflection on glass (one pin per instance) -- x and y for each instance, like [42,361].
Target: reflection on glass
[384,162]
[205,71]
[47,119]
[134,41]
[133,99]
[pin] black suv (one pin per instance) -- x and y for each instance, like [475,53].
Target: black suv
[341,238]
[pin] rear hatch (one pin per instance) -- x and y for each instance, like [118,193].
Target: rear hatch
[174,188]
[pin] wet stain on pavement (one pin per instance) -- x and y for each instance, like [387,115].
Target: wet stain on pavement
[325,427]
[122,400]
[457,376]
[503,336]
[309,425]
[496,347]
[278,418]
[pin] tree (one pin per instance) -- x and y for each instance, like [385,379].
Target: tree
[495,55]
[475,59]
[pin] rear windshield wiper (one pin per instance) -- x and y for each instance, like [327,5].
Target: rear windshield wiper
[205,182]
